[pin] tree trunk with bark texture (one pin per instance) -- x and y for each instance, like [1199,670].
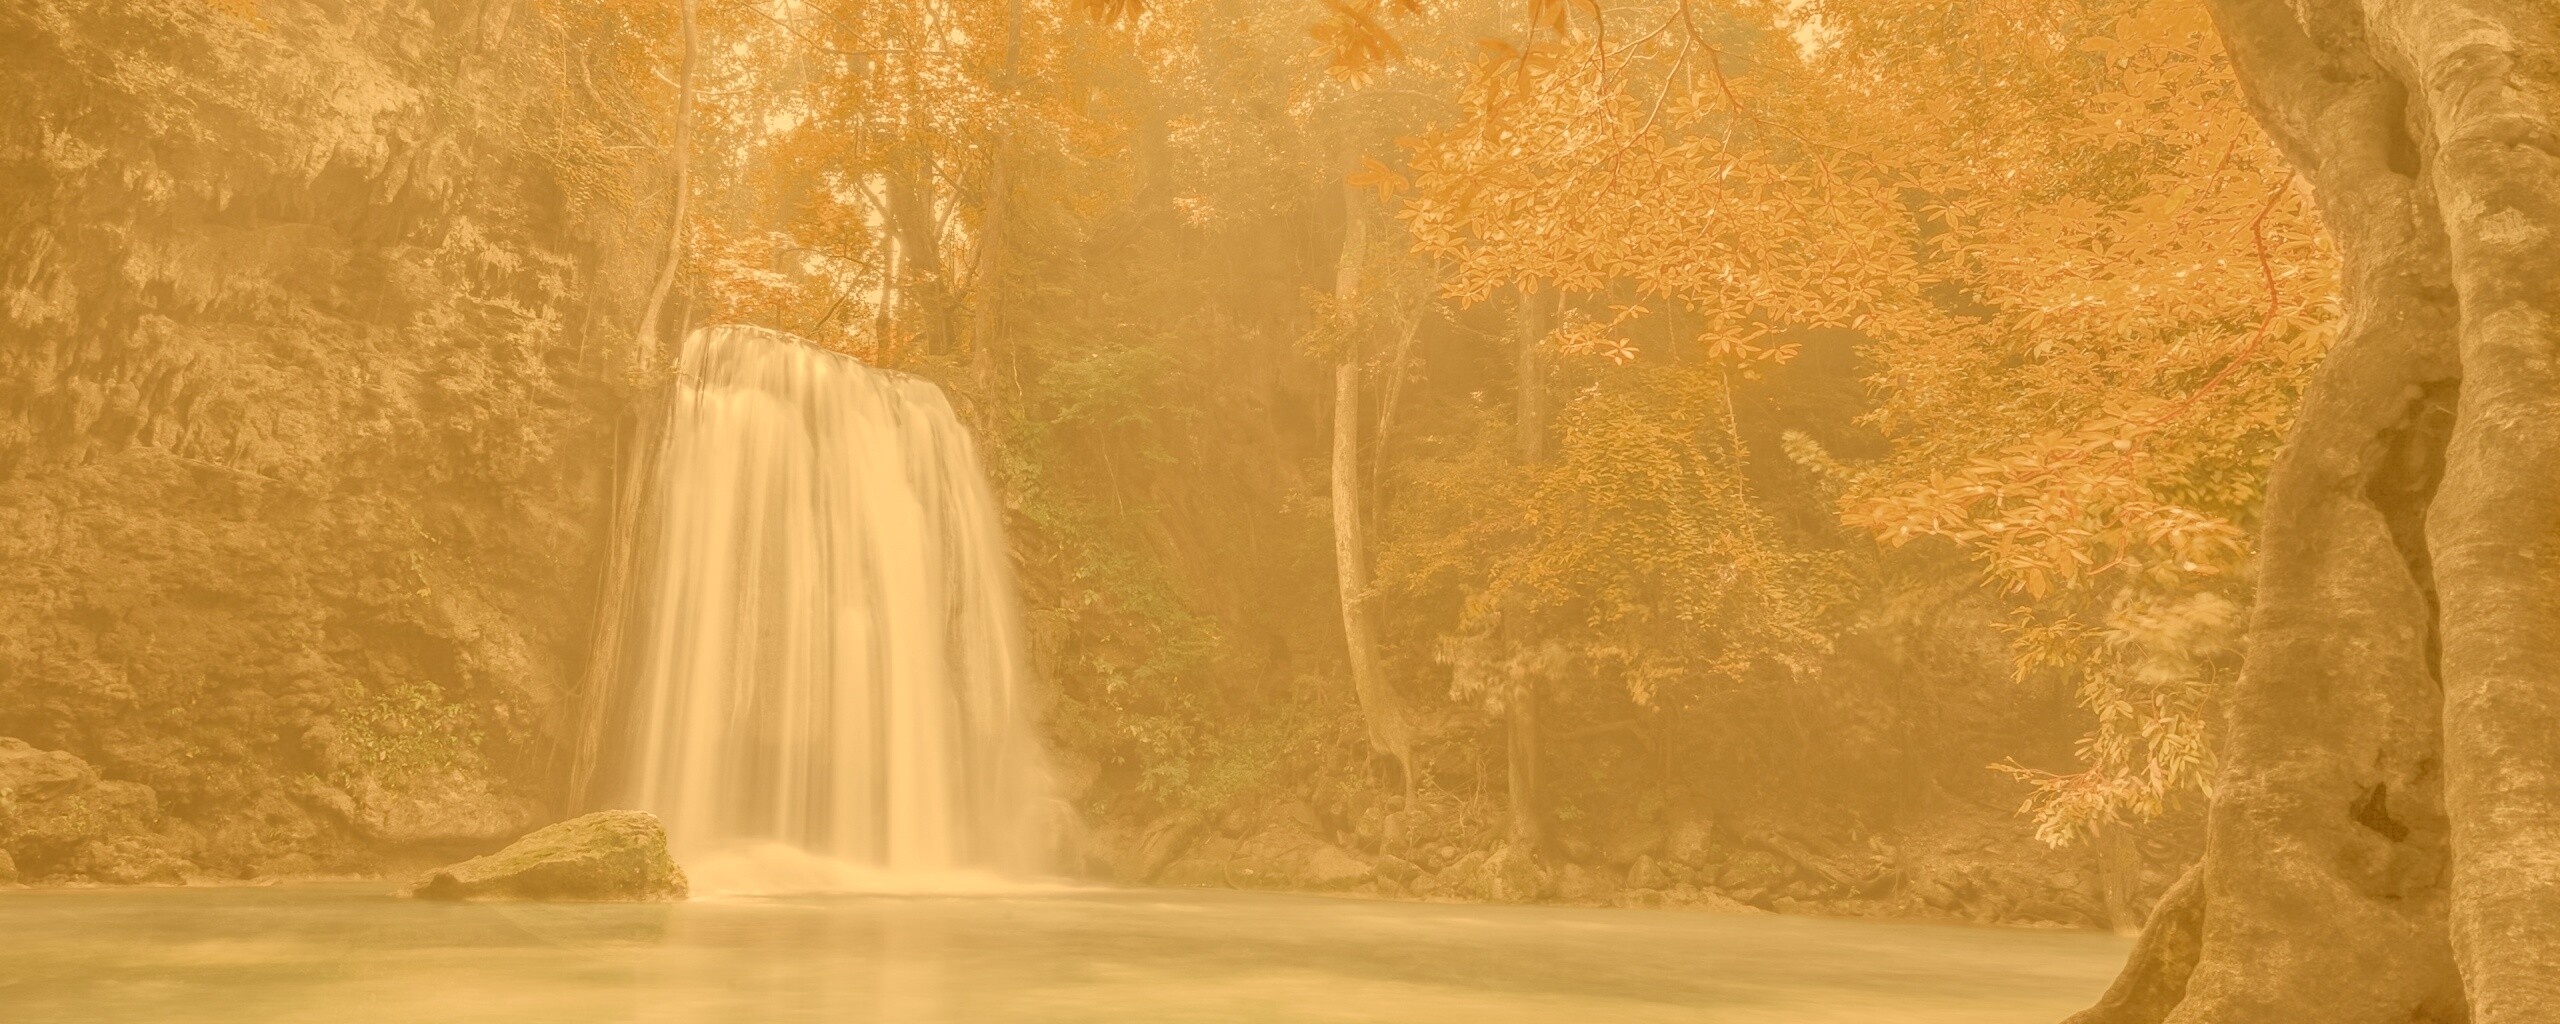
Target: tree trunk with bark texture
[2384,844]
[1381,710]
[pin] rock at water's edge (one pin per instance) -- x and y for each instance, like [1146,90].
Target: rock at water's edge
[60,821]
[1283,858]
[1511,876]
[605,856]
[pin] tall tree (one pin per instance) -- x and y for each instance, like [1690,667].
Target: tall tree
[1389,732]
[2381,841]
[680,158]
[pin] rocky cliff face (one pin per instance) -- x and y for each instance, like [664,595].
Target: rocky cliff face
[304,431]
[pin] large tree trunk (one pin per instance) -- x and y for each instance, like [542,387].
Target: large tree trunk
[680,155]
[1382,711]
[2384,843]
[2490,78]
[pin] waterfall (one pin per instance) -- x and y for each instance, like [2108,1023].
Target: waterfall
[819,649]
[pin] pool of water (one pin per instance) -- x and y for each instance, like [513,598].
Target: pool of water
[343,953]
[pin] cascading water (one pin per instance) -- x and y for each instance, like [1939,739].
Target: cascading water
[819,649]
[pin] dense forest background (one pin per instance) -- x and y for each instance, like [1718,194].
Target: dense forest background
[1798,455]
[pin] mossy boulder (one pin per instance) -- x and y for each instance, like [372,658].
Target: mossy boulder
[605,856]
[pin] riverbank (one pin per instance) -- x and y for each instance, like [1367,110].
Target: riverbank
[66,825]
[1961,862]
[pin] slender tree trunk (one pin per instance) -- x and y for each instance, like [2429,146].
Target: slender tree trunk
[680,154]
[1391,396]
[1529,402]
[1528,805]
[1529,427]
[983,334]
[2384,844]
[886,350]
[2120,877]
[1389,733]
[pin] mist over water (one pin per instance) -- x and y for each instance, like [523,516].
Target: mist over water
[823,681]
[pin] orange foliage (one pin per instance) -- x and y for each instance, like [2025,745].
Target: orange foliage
[2089,287]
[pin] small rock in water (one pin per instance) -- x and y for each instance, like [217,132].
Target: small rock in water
[1163,843]
[1304,816]
[1331,867]
[1397,868]
[1578,850]
[1643,840]
[1281,857]
[1576,882]
[605,856]
[1511,876]
[1194,872]
[1646,874]
[1461,873]
[1690,841]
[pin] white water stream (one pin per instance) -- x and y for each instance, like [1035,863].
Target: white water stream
[822,682]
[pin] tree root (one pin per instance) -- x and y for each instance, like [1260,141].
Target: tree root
[2155,974]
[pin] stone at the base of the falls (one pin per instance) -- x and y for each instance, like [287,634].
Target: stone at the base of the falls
[604,856]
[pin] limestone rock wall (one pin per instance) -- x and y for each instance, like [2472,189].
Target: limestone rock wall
[305,421]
